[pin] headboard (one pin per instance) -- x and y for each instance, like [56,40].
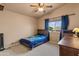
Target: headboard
[42,31]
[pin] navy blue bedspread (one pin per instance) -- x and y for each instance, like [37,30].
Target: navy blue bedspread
[34,41]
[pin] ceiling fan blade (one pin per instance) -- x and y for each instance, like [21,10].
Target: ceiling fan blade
[1,7]
[49,6]
[39,4]
[33,5]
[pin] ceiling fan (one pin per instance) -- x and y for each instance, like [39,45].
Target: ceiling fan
[41,7]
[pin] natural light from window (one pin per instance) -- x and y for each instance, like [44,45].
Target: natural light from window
[55,25]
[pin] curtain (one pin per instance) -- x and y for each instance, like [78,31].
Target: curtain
[46,24]
[64,25]
[46,27]
[65,22]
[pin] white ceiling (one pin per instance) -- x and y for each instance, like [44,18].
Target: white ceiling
[24,8]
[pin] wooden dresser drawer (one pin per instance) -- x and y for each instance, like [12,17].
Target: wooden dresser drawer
[76,53]
[66,51]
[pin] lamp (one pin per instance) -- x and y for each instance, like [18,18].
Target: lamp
[76,30]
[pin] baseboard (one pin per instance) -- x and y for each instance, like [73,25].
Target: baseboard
[13,44]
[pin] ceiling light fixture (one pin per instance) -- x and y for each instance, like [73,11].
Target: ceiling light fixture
[40,9]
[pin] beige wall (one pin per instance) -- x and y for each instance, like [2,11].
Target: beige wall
[65,9]
[16,26]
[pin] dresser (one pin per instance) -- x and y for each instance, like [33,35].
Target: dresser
[69,45]
[54,37]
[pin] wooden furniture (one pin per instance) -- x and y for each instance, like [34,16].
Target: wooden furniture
[43,31]
[41,37]
[1,42]
[54,37]
[69,45]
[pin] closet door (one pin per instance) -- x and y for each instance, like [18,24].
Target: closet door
[1,42]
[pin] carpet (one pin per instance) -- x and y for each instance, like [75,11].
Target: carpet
[45,49]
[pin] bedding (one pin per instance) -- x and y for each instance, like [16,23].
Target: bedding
[34,41]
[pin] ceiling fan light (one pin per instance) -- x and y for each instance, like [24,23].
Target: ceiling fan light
[40,9]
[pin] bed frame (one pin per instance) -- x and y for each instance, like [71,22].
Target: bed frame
[40,31]
[43,31]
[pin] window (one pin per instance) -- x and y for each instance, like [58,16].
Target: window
[55,25]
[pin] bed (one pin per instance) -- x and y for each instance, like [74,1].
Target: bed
[41,37]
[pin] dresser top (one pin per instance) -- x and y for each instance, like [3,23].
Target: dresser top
[70,41]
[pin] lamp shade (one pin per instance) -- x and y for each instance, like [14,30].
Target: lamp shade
[76,30]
